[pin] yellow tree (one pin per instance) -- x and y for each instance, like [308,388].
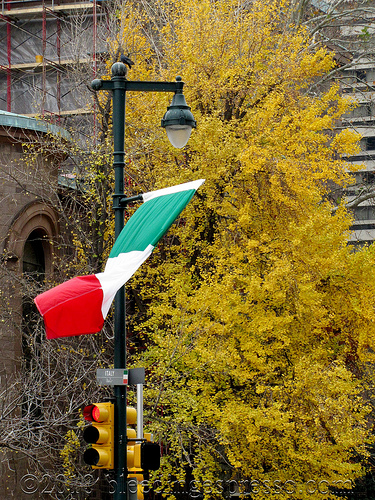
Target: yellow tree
[257,316]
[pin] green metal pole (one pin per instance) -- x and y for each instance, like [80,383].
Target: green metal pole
[119,85]
[118,79]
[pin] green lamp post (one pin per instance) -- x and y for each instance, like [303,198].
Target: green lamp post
[178,122]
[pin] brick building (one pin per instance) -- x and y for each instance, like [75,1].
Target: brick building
[49,52]
[29,227]
[28,223]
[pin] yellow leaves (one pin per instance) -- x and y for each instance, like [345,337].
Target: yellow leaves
[317,63]
[329,394]
[249,431]
[347,143]
[69,452]
[253,303]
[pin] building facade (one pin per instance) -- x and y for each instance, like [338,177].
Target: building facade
[358,84]
[29,230]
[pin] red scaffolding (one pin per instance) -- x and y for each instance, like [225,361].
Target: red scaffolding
[13,14]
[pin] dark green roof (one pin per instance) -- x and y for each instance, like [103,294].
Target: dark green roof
[27,123]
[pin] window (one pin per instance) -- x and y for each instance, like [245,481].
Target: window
[33,262]
[360,75]
[368,177]
[364,213]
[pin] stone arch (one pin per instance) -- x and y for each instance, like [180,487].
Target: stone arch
[36,222]
[32,234]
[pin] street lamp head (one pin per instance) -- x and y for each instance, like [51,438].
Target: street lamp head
[178,121]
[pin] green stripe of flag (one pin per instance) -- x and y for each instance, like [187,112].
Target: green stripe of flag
[139,231]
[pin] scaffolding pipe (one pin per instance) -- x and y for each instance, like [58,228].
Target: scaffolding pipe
[94,67]
[58,47]
[44,36]
[9,55]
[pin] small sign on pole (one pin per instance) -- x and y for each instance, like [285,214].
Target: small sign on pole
[120,376]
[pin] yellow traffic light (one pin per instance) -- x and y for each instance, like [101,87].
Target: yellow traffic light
[131,435]
[131,415]
[100,435]
[142,454]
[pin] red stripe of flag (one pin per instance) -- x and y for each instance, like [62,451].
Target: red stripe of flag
[72,308]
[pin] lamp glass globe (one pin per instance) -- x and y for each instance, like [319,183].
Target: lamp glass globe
[178,135]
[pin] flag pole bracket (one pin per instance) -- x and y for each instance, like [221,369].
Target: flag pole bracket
[123,202]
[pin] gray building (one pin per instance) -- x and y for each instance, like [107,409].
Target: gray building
[358,84]
[49,51]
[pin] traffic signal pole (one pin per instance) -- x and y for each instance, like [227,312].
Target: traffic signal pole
[117,85]
[179,114]
[120,312]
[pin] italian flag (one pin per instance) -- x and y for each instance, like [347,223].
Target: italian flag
[80,305]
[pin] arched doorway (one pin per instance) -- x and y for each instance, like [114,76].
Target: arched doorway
[31,245]
[33,275]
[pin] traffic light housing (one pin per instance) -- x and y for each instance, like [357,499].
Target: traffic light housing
[141,458]
[100,435]
[131,435]
[142,454]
